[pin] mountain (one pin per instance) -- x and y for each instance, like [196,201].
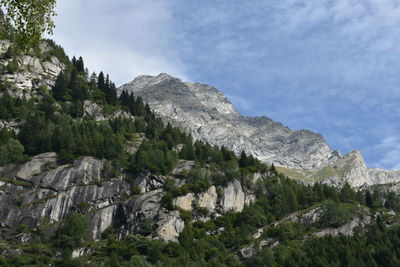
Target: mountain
[209,116]
[91,179]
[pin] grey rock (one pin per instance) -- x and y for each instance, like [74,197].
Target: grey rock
[209,116]
[101,220]
[11,125]
[309,217]
[350,169]
[94,111]
[208,199]
[4,45]
[170,225]
[183,166]
[32,73]
[185,202]
[148,205]
[348,228]
[149,182]
[84,171]
[91,109]
[55,193]
[379,176]
[246,252]
[79,252]
[133,146]
[31,168]
[234,198]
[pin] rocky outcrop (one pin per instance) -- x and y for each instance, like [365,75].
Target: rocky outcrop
[40,191]
[234,198]
[147,182]
[11,125]
[208,199]
[379,176]
[170,225]
[32,71]
[186,202]
[348,228]
[350,169]
[307,217]
[91,109]
[148,207]
[101,220]
[31,168]
[94,111]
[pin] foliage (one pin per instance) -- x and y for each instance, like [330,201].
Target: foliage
[73,232]
[26,20]
[337,214]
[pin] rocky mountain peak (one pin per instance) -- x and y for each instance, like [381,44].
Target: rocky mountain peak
[192,95]
[210,116]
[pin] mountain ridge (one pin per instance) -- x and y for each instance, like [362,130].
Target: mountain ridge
[209,116]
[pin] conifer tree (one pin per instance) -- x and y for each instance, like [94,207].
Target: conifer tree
[80,65]
[60,88]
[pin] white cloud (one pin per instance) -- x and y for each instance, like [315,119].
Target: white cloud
[331,66]
[122,38]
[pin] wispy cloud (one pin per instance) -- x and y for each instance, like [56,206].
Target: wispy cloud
[330,66]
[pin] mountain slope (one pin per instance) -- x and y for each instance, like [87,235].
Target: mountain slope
[210,117]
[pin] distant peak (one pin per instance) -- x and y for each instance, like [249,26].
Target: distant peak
[164,75]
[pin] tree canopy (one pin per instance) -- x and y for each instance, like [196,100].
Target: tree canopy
[26,20]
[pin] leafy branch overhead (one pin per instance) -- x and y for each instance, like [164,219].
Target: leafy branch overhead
[25,21]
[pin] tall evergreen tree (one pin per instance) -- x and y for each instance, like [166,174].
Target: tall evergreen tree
[61,87]
[101,82]
[80,65]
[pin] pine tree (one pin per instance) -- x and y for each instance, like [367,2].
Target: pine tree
[80,65]
[347,194]
[101,81]
[368,200]
[243,160]
[60,88]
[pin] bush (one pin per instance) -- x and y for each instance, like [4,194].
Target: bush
[337,214]
[12,66]
[74,231]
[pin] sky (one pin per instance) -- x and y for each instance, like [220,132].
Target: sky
[330,66]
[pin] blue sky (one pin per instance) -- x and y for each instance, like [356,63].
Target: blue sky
[331,66]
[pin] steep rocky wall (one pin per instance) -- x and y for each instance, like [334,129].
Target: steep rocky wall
[31,73]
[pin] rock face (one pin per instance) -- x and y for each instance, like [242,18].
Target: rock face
[209,116]
[235,198]
[32,71]
[49,195]
[208,199]
[41,191]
